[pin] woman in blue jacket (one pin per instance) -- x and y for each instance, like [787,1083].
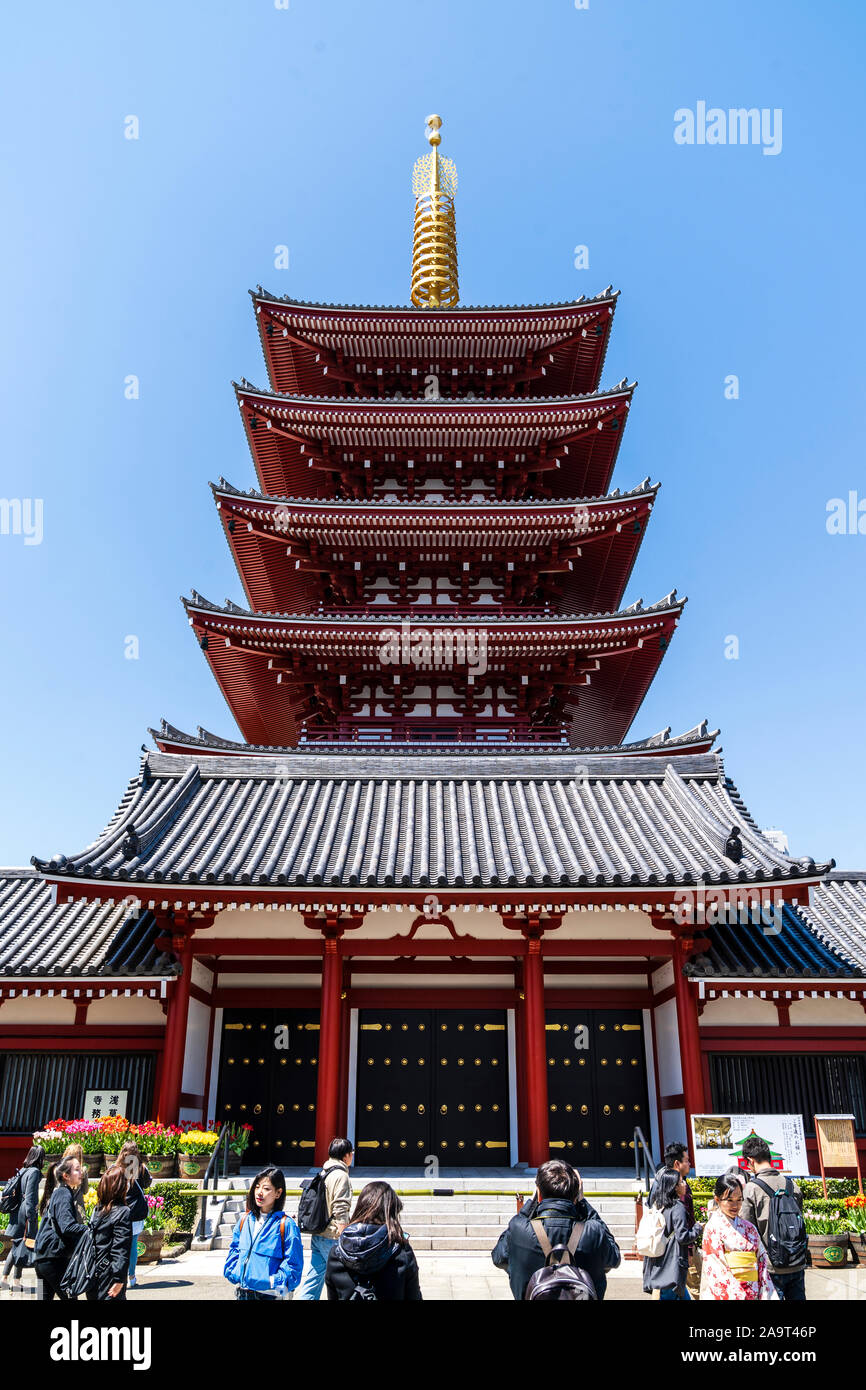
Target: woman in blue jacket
[266,1258]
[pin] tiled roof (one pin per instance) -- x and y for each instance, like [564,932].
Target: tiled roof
[662,742]
[72,939]
[424,314]
[775,945]
[837,915]
[493,820]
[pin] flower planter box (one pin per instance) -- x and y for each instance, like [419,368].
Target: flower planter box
[161,1165]
[192,1165]
[149,1247]
[234,1164]
[829,1251]
[94,1164]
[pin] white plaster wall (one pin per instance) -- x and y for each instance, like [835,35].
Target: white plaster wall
[668,1049]
[654,1135]
[607,926]
[213,1083]
[285,923]
[201,976]
[662,978]
[674,1128]
[134,1010]
[30,1010]
[266,982]
[834,1013]
[195,1052]
[758,1012]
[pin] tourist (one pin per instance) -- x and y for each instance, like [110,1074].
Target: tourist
[677,1160]
[112,1237]
[558,1203]
[338,1200]
[23,1219]
[266,1256]
[76,1151]
[779,1220]
[60,1231]
[666,1274]
[138,1178]
[372,1258]
[735,1265]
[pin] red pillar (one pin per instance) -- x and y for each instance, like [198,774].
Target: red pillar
[171,1079]
[520,1048]
[328,1093]
[689,1034]
[535,1038]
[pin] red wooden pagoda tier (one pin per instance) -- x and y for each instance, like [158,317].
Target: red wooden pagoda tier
[307,446]
[400,555]
[579,677]
[332,350]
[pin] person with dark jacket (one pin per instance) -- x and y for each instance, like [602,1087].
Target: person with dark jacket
[112,1238]
[77,1151]
[666,1273]
[138,1178]
[372,1258]
[558,1203]
[24,1220]
[60,1231]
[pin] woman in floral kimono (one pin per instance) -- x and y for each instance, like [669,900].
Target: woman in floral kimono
[735,1263]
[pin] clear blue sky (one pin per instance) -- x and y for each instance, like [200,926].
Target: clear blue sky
[261,126]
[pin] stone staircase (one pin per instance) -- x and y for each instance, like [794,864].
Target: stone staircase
[460,1224]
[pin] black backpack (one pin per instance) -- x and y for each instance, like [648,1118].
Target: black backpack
[786,1240]
[10,1198]
[560,1280]
[81,1270]
[313,1214]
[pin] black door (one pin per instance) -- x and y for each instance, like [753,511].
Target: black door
[392,1110]
[268,1063]
[470,1112]
[596,1080]
[432,1082]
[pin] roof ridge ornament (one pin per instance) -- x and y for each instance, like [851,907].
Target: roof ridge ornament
[434,246]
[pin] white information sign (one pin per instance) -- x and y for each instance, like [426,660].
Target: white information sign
[718,1142]
[104,1105]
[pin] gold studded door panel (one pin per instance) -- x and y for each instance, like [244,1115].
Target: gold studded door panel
[571,1086]
[620,1083]
[470,1110]
[392,1106]
[294,1073]
[268,1079]
[596,1079]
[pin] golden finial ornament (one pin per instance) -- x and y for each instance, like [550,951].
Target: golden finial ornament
[434,248]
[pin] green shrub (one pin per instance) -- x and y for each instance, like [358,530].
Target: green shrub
[836,1187]
[181,1208]
[4,1220]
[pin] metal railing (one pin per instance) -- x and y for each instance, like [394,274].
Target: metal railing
[644,1163]
[222,1146]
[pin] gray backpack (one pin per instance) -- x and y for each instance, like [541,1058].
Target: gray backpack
[560,1280]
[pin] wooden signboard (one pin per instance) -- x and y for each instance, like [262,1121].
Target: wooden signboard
[837,1146]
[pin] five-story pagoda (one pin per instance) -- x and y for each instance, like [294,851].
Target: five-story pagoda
[434,553]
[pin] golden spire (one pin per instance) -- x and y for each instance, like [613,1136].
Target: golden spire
[434,249]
